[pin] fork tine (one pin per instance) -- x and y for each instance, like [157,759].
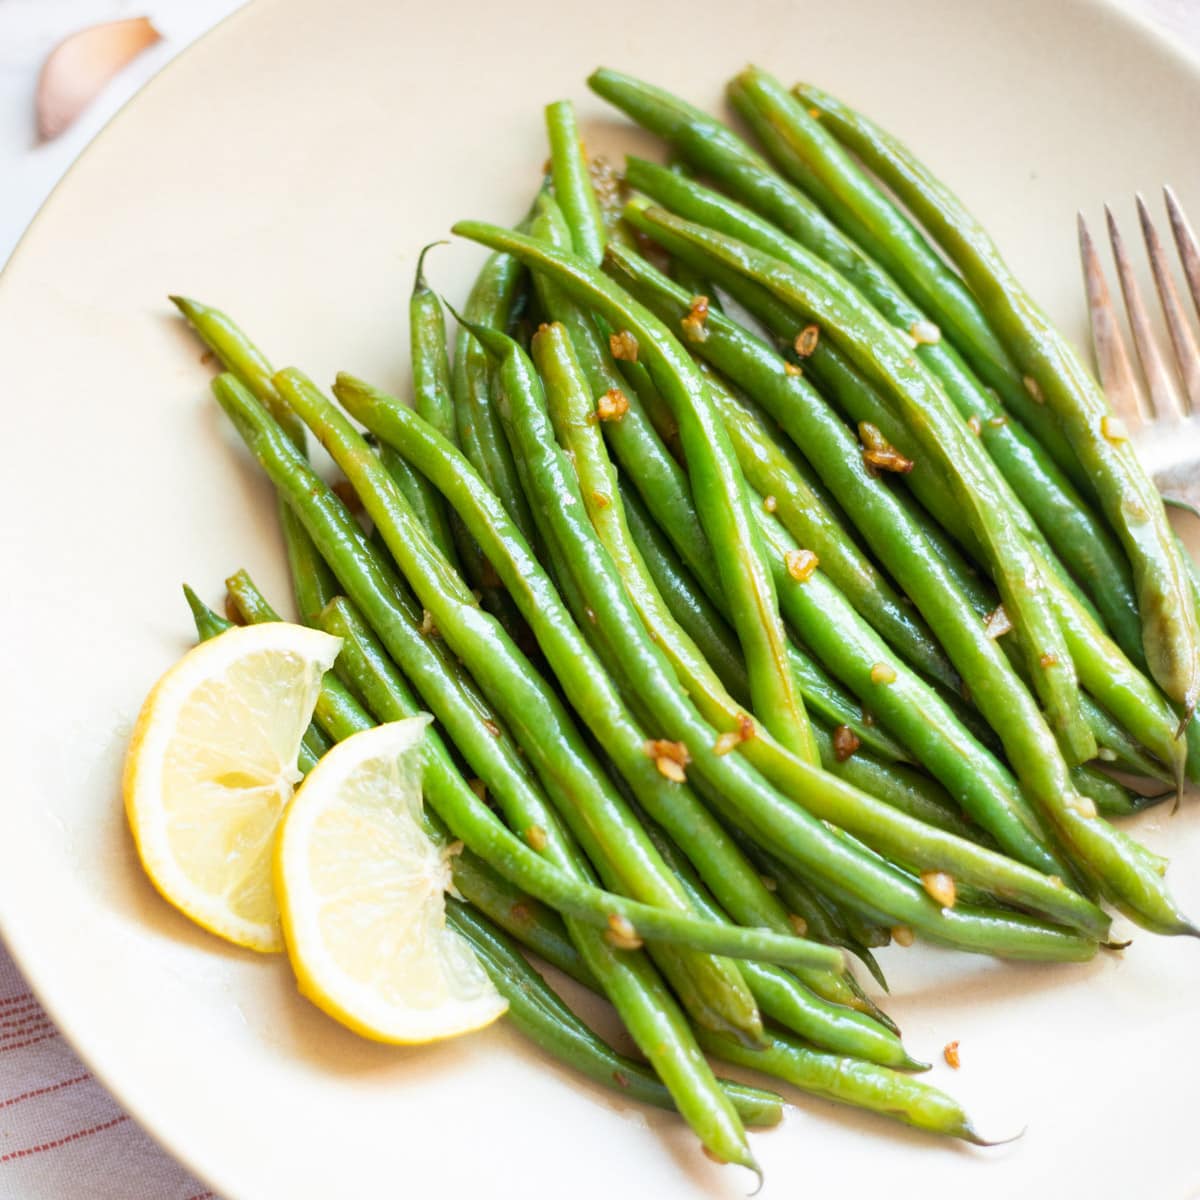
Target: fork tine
[1183,342]
[1185,240]
[1164,395]
[1112,358]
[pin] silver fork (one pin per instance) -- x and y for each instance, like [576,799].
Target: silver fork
[1163,419]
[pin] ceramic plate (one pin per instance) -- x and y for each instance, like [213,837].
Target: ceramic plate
[288,169]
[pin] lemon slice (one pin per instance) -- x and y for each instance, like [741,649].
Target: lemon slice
[361,890]
[212,766]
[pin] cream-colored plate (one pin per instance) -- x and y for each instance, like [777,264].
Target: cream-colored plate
[289,168]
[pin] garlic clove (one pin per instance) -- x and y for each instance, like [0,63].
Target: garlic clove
[80,65]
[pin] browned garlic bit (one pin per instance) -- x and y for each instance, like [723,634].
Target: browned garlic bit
[733,738]
[600,500]
[1033,388]
[974,425]
[770,504]
[621,934]
[941,887]
[693,323]
[879,454]
[623,346]
[669,757]
[806,341]
[883,673]
[902,935]
[612,406]
[792,369]
[997,622]
[768,883]
[845,742]
[799,924]
[1047,661]
[801,564]
[492,728]
[950,1054]
[428,628]
[925,333]
[535,835]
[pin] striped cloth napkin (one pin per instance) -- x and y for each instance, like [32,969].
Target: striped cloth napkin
[62,1136]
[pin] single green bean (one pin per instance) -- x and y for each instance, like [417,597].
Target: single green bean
[849,1081]
[572,183]
[312,582]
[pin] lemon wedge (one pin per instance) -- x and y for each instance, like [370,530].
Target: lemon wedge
[361,889]
[212,766]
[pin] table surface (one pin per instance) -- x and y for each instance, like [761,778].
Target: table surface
[61,1135]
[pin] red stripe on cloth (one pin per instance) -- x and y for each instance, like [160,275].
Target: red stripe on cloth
[63,1141]
[24,1019]
[45,1037]
[40,1025]
[45,1091]
[7,1000]
[20,1011]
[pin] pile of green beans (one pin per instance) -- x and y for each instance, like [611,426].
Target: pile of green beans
[754,632]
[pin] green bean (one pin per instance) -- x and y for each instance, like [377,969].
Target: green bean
[788,1002]
[908,707]
[849,1081]
[424,501]
[846,319]
[312,582]
[572,184]
[433,395]
[490,303]
[711,988]
[1111,860]
[372,585]
[538,1012]
[728,523]
[1170,630]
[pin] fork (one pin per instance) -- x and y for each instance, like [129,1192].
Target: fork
[1163,419]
